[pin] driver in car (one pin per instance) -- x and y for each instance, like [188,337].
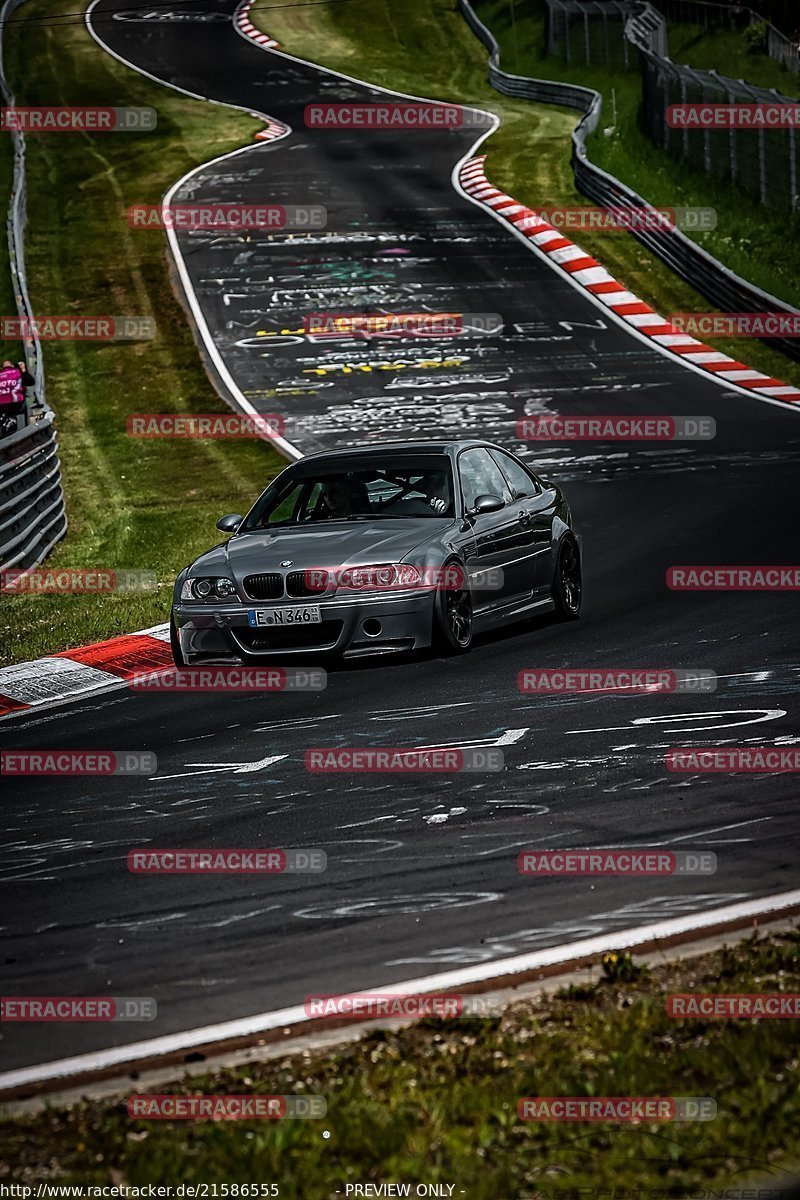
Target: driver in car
[438,491]
[345,498]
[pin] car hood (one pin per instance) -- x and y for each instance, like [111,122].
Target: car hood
[339,544]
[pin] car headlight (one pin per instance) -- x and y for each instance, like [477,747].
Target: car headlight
[385,577]
[208,589]
[224,588]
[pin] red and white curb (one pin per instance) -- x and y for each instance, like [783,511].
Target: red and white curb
[108,665]
[596,280]
[274,130]
[247,27]
[72,673]
[244,26]
[295,1021]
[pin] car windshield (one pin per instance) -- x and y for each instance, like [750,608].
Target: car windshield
[356,491]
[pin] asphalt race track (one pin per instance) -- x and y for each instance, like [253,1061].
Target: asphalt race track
[421,870]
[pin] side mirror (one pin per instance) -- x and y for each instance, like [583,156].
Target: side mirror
[486,504]
[230,523]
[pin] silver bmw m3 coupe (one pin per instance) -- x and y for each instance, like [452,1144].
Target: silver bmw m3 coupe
[379,549]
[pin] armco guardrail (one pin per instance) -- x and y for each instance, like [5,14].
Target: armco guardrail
[32,511]
[724,289]
[593,31]
[736,17]
[32,517]
[763,163]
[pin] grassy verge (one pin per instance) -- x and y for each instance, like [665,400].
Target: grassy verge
[12,350]
[437,1102]
[132,504]
[726,51]
[430,51]
[747,233]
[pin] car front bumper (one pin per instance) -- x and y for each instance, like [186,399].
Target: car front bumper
[355,626]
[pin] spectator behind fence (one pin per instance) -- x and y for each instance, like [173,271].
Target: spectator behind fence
[13,382]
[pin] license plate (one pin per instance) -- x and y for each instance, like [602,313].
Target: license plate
[306,614]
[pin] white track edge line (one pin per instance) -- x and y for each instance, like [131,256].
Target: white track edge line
[290,450]
[102,1060]
[726,385]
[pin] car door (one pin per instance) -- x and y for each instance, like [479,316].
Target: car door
[535,506]
[499,536]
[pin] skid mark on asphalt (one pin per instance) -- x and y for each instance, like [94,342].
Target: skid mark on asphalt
[704,833]
[297,723]
[140,922]
[399,819]
[641,912]
[694,722]
[408,714]
[236,918]
[387,906]
[250,785]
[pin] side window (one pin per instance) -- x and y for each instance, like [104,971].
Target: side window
[285,510]
[311,502]
[516,475]
[480,476]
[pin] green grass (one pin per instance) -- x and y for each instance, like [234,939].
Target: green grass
[7,303]
[152,505]
[725,50]
[429,50]
[437,1102]
[134,504]
[747,233]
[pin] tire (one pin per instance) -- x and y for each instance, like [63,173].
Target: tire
[452,615]
[175,644]
[568,580]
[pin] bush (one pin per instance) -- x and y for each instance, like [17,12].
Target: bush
[755,37]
